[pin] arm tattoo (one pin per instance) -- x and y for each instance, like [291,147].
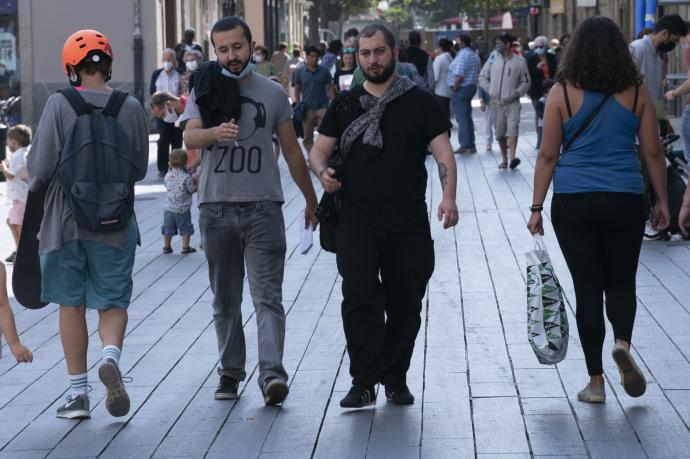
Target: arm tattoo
[443,174]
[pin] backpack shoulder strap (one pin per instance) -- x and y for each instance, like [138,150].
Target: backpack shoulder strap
[80,106]
[117,98]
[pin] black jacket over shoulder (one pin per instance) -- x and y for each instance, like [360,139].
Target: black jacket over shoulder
[537,75]
[217,96]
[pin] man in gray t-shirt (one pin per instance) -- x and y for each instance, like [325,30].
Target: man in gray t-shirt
[240,197]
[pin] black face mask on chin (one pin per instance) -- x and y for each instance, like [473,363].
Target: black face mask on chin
[666,47]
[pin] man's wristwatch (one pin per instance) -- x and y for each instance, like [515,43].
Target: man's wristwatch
[535,208]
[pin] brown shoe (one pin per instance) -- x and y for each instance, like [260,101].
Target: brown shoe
[632,379]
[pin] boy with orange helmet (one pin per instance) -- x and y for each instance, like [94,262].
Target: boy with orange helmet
[82,268]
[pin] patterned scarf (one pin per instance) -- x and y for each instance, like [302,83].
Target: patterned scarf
[369,122]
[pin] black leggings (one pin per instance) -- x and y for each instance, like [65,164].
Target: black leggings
[170,136]
[600,235]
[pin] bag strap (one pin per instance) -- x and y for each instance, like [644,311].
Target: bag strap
[117,98]
[80,106]
[567,101]
[586,124]
[637,96]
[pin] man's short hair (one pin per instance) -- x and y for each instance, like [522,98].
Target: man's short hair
[296,52]
[178,158]
[335,46]
[353,32]
[312,50]
[673,23]
[505,37]
[371,30]
[229,23]
[21,134]
[466,39]
[282,46]
[414,37]
[159,99]
[445,44]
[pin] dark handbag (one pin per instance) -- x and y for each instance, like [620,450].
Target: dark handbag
[327,213]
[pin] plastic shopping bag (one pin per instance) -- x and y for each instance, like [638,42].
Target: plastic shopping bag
[547,320]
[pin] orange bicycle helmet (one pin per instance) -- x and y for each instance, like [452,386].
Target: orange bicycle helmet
[83,45]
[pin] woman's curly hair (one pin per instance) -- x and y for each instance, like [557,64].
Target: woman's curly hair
[597,58]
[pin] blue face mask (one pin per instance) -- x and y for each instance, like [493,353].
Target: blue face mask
[500,48]
[540,51]
[247,70]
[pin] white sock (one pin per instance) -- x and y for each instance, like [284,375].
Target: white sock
[113,353]
[78,384]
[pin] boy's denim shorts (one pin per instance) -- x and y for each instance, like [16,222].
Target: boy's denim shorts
[177,222]
[89,273]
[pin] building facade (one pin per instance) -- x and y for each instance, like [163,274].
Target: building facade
[139,30]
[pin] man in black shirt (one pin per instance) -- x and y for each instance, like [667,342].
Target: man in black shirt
[380,132]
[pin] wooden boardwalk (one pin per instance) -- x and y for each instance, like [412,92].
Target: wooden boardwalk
[480,390]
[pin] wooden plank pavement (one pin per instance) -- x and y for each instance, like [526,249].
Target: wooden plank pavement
[480,391]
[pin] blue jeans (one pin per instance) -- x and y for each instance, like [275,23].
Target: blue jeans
[462,105]
[685,133]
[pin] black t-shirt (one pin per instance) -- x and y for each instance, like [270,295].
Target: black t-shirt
[344,83]
[387,190]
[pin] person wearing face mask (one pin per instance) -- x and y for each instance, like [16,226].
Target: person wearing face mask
[506,78]
[192,62]
[166,78]
[646,51]
[232,112]
[681,91]
[542,66]
[262,65]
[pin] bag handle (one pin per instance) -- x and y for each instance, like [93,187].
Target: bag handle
[539,242]
[585,125]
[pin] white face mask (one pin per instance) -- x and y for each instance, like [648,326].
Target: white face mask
[243,74]
[191,65]
[167,65]
[170,115]
[258,58]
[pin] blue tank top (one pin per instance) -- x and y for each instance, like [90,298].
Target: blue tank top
[603,158]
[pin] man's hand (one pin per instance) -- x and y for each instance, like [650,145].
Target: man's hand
[448,212]
[536,224]
[684,221]
[310,216]
[660,217]
[3,166]
[226,132]
[328,180]
[541,64]
[670,96]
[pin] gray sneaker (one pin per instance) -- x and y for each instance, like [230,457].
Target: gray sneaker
[75,408]
[116,400]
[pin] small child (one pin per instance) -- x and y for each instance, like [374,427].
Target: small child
[18,140]
[546,86]
[177,216]
[7,326]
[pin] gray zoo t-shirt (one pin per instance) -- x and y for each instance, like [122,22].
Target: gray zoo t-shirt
[247,171]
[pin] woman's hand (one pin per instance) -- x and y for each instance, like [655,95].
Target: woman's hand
[535,225]
[661,217]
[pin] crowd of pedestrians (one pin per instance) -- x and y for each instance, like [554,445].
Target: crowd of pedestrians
[379,108]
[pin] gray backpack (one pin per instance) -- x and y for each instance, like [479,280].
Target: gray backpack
[97,169]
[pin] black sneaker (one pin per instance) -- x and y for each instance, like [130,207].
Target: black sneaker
[116,399]
[399,395]
[75,408]
[11,258]
[227,388]
[359,397]
[275,390]
[514,163]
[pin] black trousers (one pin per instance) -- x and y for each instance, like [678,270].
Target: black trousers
[170,136]
[384,279]
[600,235]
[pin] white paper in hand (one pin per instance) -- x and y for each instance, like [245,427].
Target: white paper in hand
[306,239]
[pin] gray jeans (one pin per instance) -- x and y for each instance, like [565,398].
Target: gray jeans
[235,234]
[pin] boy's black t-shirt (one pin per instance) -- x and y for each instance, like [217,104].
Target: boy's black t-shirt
[387,190]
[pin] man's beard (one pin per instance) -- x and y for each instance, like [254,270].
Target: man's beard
[244,66]
[383,76]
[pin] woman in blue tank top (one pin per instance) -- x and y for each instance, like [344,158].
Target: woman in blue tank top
[591,120]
